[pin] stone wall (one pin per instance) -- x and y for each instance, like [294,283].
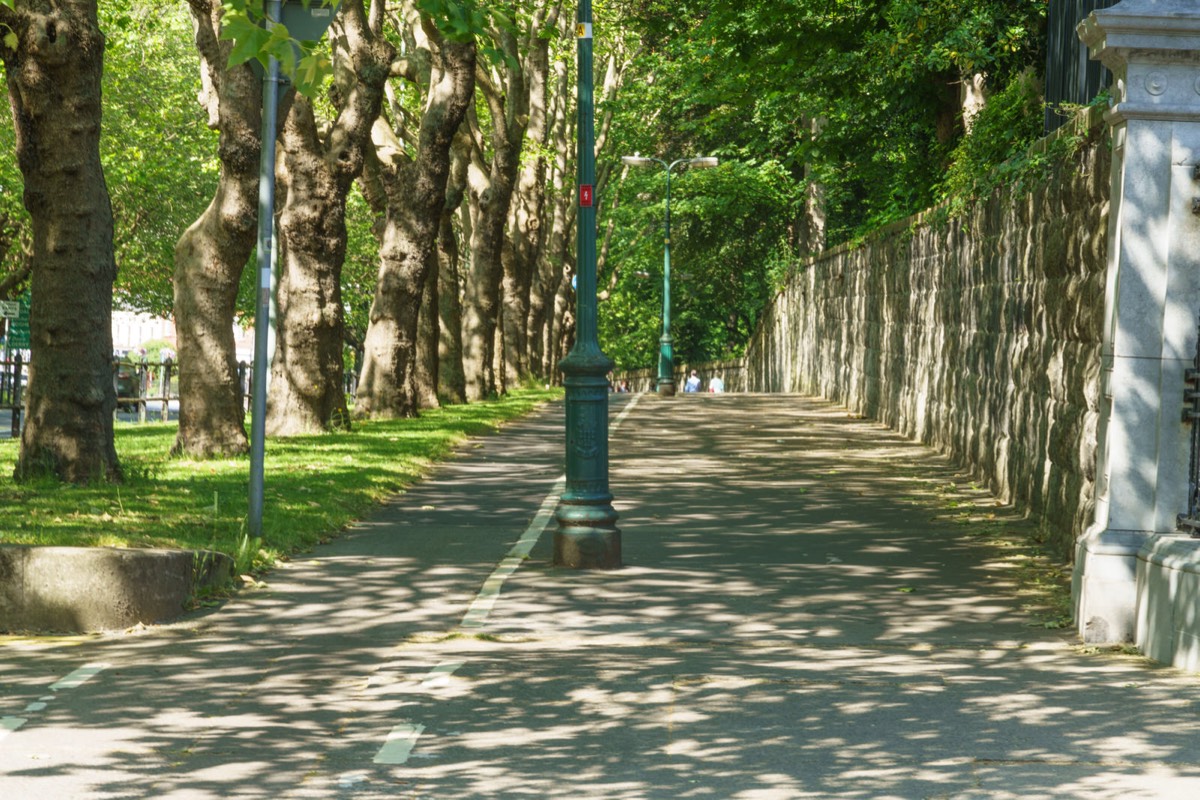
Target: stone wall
[979,336]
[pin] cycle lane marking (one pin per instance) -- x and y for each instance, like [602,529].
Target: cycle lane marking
[73,680]
[403,737]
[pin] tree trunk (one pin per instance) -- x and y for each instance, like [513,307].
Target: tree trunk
[526,212]
[492,183]
[427,337]
[318,168]
[549,273]
[452,382]
[53,80]
[481,310]
[211,254]
[306,394]
[415,192]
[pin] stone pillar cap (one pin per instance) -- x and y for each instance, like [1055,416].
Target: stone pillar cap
[1158,30]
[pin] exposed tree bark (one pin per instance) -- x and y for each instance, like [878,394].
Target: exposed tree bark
[550,268]
[972,97]
[412,185]
[53,79]
[452,382]
[213,251]
[317,169]
[426,373]
[491,184]
[306,394]
[812,225]
[526,227]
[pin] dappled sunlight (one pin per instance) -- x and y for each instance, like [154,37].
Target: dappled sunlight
[785,627]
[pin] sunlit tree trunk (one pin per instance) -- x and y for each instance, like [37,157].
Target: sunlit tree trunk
[452,382]
[318,166]
[53,78]
[426,373]
[411,183]
[211,254]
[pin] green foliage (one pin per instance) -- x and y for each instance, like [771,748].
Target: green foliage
[460,20]
[315,485]
[305,64]
[858,95]
[996,150]
[14,219]
[159,155]
[360,267]
[730,231]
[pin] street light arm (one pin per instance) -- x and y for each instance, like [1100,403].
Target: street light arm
[641,161]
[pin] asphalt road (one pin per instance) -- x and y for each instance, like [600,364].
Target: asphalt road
[810,607]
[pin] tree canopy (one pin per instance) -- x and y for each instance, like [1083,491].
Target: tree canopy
[829,117]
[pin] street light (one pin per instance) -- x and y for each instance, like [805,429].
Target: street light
[587,535]
[666,367]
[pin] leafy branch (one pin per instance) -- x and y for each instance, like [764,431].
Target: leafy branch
[257,37]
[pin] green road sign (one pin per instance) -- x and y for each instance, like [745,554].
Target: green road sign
[18,329]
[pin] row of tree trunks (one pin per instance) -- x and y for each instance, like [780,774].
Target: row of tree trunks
[555,256]
[53,76]
[406,184]
[319,165]
[211,254]
[527,209]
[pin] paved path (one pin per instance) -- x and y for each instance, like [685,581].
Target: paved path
[811,607]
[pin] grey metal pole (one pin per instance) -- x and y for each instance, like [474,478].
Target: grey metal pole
[262,314]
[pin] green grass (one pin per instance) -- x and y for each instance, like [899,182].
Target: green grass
[315,485]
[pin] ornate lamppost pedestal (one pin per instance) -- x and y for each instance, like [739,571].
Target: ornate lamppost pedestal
[666,357]
[587,535]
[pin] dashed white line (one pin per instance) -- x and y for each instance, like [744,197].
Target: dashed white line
[10,724]
[79,677]
[440,675]
[400,743]
[485,601]
[73,680]
[398,747]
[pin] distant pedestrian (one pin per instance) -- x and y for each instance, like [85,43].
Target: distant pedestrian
[693,383]
[623,386]
[716,384]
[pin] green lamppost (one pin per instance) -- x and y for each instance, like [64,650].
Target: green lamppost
[587,536]
[666,356]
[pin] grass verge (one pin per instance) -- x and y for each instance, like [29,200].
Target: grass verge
[315,485]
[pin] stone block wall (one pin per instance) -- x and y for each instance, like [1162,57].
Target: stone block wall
[979,336]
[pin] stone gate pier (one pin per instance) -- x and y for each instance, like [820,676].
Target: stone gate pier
[1137,575]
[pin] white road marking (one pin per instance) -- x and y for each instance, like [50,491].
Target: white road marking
[400,743]
[440,675]
[75,679]
[351,779]
[10,724]
[79,676]
[481,606]
[403,738]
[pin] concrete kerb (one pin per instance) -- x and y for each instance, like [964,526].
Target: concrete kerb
[88,589]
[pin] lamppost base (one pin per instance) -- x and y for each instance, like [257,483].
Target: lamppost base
[587,548]
[666,388]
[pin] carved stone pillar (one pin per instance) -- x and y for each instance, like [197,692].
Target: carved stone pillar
[1152,302]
